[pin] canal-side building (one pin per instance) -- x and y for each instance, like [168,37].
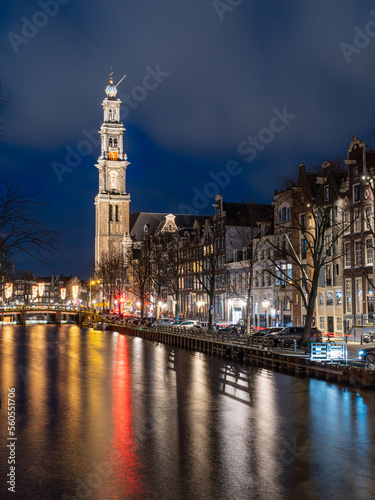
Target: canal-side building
[358,259]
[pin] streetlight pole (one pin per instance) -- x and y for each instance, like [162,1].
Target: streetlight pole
[200,304]
[265,305]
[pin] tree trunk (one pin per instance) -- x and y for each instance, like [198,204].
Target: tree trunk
[310,308]
[248,313]
[210,315]
[142,306]
[177,307]
[157,310]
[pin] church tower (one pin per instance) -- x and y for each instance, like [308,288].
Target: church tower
[112,202]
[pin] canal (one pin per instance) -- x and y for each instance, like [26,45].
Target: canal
[105,416]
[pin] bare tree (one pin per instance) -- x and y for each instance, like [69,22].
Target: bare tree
[309,241]
[172,268]
[21,228]
[248,243]
[157,271]
[204,269]
[140,269]
[112,270]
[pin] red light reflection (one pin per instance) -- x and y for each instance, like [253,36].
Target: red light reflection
[126,477]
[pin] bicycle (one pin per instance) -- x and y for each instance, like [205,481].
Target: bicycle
[330,341]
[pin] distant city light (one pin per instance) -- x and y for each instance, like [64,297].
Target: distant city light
[8,290]
[41,289]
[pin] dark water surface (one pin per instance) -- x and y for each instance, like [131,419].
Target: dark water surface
[104,416]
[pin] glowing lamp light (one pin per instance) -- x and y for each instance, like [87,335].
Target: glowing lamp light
[34,291]
[41,289]
[62,293]
[8,290]
[75,291]
[265,303]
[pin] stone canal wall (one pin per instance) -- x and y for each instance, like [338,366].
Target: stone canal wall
[261,354]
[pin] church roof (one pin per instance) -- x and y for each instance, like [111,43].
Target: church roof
[155,221]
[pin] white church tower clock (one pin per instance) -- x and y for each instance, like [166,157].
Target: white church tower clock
[112,202]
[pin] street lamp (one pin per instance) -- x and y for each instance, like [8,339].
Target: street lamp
[93,282]
[200,303]
[63,295]
[8,291]
[265,305]
[41,291]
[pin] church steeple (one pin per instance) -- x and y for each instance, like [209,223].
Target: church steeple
[112,201]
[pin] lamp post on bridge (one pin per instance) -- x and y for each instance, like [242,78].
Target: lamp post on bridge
[63,295]
[93,282]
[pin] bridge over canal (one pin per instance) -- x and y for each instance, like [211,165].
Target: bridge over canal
[50,315]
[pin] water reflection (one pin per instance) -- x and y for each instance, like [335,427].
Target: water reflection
[104,416]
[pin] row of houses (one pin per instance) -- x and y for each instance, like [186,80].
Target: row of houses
[26,289]
[312,247]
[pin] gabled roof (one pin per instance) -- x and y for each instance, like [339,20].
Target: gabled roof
[155,221]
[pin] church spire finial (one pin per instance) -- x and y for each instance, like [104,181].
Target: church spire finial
[111,89]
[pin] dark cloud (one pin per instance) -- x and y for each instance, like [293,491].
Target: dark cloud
[224,80]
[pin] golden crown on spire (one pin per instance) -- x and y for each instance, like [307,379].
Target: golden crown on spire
[111,89]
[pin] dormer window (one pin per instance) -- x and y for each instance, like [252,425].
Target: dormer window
[284,214]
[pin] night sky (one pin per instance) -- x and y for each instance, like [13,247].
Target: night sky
[222,71]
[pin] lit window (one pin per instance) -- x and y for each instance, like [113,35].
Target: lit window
[348,296]
[357,221]
[369,252]
[346,223]
[358,253]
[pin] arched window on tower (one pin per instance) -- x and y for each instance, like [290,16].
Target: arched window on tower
[115,142]
[110,213]
[117,213]
[110,142]
[111,115]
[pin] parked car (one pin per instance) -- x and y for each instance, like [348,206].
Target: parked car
[189,323]
[367,354]
[267,331]
[227,329]
[162,321]
[289,334]
[204,326]
[368,337]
